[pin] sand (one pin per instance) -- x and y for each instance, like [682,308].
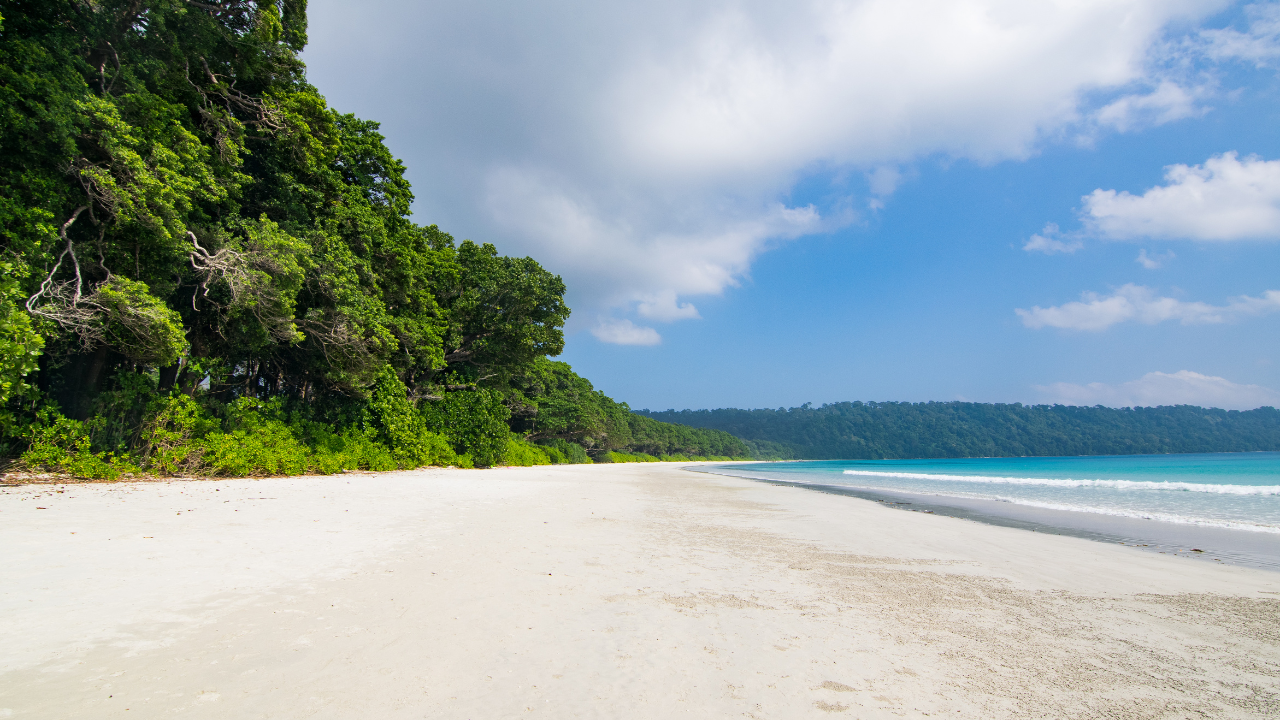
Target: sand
[626,591]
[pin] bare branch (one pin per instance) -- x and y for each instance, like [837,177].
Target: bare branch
[45,287]
[116,56]
[227,264]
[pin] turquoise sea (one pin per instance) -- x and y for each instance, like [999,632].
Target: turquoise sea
[1229,491]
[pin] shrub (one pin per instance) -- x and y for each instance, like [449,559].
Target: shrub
[268,449]
[352,450]
[167,437]
[617,457]
[524,454]
[254,445]
[60,444]
[405,429]
[474,422]
[565,452]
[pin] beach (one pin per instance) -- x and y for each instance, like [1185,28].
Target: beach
[609,591]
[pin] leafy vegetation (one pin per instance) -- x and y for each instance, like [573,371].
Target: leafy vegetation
[556,407]
[960,429]
[208,270]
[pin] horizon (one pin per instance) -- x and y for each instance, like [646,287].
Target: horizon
[804,406]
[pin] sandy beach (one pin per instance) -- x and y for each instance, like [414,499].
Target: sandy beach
[623,591]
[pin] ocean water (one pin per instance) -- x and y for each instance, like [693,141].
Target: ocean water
[1228,491]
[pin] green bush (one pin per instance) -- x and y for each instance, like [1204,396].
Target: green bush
[60,444]
[524,454]
[474,422]
[168,436]
[405,429]
[268,449]
[618,457]
[565,452]
[352,450]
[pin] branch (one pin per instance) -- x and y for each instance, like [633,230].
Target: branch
[227,263]
[116,56]
[68,250]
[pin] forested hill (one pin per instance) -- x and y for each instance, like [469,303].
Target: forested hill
[856,430]
[206,269]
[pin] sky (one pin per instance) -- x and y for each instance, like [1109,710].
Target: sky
[762,204]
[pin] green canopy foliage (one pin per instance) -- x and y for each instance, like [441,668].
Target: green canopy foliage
[206,268]
[552,403]
[962,429]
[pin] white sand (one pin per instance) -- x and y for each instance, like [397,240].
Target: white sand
[635,591]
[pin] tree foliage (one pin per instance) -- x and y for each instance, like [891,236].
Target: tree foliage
[555,405]
[960,429]
[207,268]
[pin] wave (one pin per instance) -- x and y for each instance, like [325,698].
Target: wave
[1071,483]
[1147,515]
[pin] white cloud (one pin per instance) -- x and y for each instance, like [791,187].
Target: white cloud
[1156,388]
[1224,199]
[664,307]
[1044,242]
[756,87]
[643,149]
[1154,262]
[884,180]
[1259,44]
[621,258]
[1140,304]
[1168,102]
[625,332]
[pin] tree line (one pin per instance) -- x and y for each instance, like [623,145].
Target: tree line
[887,430]
[208,269]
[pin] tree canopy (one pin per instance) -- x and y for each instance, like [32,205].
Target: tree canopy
[884,430]
[182,215]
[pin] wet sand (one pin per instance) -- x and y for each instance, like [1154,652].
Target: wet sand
[625,591]
[1213,544]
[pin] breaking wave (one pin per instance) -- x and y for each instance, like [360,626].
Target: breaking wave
[1072,483]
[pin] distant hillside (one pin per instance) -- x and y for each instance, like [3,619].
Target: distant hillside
[857,430]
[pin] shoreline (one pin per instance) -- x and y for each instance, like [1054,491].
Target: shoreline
[625,590]
[1236,543]
[1229,546]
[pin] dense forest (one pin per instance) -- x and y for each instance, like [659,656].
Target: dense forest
[882,430]
[206,269]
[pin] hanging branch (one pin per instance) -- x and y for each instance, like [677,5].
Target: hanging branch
[64,301]
[48,284]
[228,264]
[247,275]
[232,102]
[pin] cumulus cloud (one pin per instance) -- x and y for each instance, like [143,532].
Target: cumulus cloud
[1046,243]
[625,332]
[1141,304]
[1157,388]
[644,150]
[620,258]
[1226,198]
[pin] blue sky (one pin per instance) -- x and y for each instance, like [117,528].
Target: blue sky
[761,204]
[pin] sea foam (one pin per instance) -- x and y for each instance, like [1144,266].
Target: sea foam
[1224,489]
[1146,515]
